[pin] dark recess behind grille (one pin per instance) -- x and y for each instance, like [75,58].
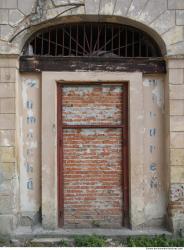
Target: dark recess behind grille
[92,40]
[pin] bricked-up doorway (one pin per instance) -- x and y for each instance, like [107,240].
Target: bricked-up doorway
[92,155]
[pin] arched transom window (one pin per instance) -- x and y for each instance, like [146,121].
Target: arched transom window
[92,40]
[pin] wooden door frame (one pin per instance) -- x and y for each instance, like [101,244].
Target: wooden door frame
[125,153]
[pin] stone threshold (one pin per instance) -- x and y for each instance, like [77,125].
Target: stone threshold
[39,232]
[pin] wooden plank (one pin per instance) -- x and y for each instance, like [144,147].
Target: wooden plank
[49,63]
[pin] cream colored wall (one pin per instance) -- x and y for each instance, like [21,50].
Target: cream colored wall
[9,192]
[29,133]
[175,140]
[154,158]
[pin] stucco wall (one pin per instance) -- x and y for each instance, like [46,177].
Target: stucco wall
[29,134]
[162,19]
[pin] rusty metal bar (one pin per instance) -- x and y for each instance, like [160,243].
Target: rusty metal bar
[87,42]
[49,44]
[119,41]
[34,50]
[56,47]
[112,44]
[140,45]
[94,39]
[63,35]
[133,44]
[42,45]
[91,39]
[77,38]
[126,41]
[70,37]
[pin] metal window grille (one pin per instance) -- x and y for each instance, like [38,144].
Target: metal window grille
[92,40]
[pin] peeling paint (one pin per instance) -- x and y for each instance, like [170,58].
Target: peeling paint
[29,150]
[159,93]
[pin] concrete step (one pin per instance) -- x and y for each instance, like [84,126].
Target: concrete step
[39,232]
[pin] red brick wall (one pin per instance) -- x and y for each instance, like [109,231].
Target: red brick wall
[92,105]
[92,158]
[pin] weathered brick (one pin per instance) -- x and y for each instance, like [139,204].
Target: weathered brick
[177,157]
[5,32]
[5,185]
[175,4]
[7,105]
[78,11]
[7,121]
[65,2]
[152,10]
[55,11]
[177,174]
[175,48]
[136,8]
[15,16]
[8,4]
[177,123]
[176,91]
[7,75]
[7,90]
[92,157]
[7,154]
[7,137]
[167,19]
[176,76]
[176,64]
[180,17]
[3,16]
[8,224]
[174,35]
[26,6]
[122,7]
[9,62]
[106,7]
[5,204]
[176,107]
[177,139]
[7,171]
[92,6]
[176,192]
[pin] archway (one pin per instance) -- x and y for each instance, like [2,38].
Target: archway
[115,50]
